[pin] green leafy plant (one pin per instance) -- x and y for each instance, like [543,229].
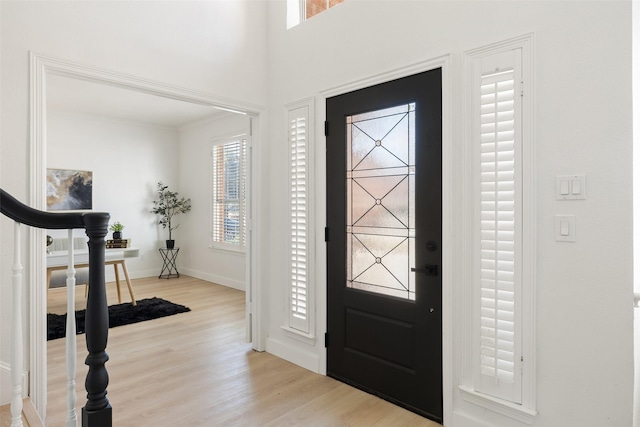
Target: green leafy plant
[168,205]
[116,226]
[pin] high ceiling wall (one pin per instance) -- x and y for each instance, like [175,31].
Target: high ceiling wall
[582,124]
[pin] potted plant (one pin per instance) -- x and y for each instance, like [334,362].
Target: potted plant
[167,206]
[117,228]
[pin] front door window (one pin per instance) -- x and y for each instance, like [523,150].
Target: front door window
[380,182]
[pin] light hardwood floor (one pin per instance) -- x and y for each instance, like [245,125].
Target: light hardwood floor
[194,369]
[30,417]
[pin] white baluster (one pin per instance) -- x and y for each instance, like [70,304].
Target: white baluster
[70,341]
[16,333]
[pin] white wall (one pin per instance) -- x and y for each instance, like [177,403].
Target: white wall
[582,125]
[217,47]
[197,258]
[127,161]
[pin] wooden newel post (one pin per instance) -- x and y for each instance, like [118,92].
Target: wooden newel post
[97,412]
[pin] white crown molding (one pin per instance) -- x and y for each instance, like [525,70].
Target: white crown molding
[65,68]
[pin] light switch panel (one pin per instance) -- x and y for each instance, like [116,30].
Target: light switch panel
[571,187]
[565,228]
[576,186]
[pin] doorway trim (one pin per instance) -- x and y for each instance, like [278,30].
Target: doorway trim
[40,66]
[449,215]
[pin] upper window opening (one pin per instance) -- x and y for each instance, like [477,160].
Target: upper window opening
[301,10]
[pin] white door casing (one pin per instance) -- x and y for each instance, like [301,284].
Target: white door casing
[42,66]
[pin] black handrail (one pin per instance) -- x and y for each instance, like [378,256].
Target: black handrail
[97,411]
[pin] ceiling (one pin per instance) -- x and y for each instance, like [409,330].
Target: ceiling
[110,102]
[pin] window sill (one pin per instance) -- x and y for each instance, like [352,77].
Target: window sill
[511,410]
[299,335]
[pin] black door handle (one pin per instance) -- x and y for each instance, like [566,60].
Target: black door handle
[429,270]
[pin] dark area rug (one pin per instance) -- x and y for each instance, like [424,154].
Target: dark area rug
[119,314]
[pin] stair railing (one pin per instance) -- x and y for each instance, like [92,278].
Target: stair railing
[97,411]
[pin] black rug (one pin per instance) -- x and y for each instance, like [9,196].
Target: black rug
[119,314]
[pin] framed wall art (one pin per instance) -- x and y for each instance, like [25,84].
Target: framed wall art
[69,190]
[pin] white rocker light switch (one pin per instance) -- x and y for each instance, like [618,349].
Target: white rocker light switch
[571,187]
[565,228]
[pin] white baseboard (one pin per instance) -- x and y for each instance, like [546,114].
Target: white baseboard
[215,278]
[6,387]
[292,354]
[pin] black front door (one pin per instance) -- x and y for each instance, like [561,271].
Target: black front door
[384,249]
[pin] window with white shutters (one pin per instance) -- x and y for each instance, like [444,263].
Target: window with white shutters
[299,135]
[229,194]
[500,222]
[500,342]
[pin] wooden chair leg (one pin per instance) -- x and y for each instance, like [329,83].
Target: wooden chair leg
[126,276]
[115,268]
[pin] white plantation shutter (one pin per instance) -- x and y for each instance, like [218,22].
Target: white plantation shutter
[500,215]
[229,193]
[299,211]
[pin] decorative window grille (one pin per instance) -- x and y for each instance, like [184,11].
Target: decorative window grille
[299,204]
[229,193]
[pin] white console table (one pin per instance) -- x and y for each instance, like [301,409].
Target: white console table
[58,260]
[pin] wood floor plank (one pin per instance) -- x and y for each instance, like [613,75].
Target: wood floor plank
[30,417]
[194,369]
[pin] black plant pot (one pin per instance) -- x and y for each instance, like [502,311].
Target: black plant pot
[170,244]
[117,235]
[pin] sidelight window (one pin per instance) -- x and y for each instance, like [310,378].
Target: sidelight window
[300,299]
[500,222]
[500,196]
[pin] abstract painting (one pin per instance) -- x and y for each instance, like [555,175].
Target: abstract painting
[69,190]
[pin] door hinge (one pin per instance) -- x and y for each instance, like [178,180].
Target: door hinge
[326,234]
[522,88]
[326,128]
[326,340]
